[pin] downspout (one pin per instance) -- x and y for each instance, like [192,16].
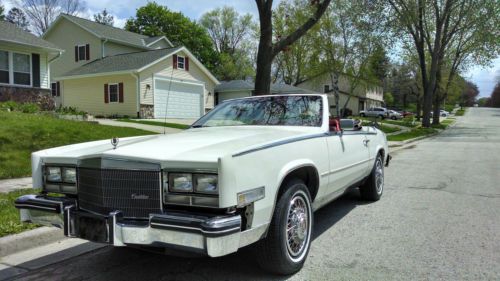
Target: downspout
[136,75]
[102,47]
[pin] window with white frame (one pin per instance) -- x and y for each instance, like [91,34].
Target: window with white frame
[113,92]
[81,52]
[180,62]
[15,68]
[22,69]
[4,67]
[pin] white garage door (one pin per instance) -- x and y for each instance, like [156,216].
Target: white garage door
[182,101]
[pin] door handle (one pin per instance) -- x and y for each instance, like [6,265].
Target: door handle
[365,142]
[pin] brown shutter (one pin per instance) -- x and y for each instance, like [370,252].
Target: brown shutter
[120,92]
[58,89]
[76,53]
[186,63]
[175,61]
[87,52]
[106,97]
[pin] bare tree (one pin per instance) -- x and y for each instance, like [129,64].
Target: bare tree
[17,17]
[42,13]
[268,50]
[104,18]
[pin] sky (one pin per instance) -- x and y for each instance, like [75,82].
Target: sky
[484,77]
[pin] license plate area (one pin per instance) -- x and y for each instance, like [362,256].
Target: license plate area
[93,228]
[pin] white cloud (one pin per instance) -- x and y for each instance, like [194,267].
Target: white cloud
[485,77]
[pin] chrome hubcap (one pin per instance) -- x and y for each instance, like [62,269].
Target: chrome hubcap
[379,176]
[297,226]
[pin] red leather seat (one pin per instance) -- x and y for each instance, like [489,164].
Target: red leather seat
[334,125]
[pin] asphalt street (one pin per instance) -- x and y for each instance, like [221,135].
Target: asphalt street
[438,220]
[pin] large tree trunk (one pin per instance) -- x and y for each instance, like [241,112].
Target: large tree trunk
[265,53]
[267,50]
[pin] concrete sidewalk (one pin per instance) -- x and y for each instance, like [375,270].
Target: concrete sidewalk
[151,128]
[9,185]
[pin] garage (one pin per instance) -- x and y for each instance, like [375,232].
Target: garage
[173,99]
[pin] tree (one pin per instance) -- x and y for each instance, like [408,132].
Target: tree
[156,20]
[230,33]
[104,18]
[469,94]
[495,96]
[388,98]
[2,16]
[433,26]
[41,13]
[268,49]
[17,17]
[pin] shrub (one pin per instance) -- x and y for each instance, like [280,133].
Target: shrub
[22,107]
[70,110]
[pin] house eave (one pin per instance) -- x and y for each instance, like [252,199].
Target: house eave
[121,72]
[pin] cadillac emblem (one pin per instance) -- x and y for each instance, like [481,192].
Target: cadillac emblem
[114,142]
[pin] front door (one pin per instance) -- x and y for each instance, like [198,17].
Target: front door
[348,159]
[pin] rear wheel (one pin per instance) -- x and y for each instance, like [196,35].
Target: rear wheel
[287,244]
[373,187]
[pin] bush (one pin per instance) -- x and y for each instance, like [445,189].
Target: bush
[70,110]
[22,107]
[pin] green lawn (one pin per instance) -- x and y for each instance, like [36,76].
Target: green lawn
[460,112]
[388,130]
[22,133]
[414,133]
[154,123]
[9,215]
[443,124]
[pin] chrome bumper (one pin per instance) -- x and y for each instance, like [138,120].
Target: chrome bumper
[211,235]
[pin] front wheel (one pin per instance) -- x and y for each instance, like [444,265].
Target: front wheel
[362,114]
[373,187]
[287,244]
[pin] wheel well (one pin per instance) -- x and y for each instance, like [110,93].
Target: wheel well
[308,174]
[381,152]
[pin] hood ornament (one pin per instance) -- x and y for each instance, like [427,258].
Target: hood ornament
[114,142]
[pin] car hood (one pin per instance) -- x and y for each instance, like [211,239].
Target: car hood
[193,145]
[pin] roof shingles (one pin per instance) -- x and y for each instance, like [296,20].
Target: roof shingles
[11,33]
[122,62]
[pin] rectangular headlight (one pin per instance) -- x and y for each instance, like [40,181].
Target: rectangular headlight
[69,175]
[180,182]
[205,183]
[53,174]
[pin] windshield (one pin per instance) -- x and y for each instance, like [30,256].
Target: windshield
[268,110]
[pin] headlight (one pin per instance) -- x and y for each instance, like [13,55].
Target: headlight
[60,180]
[178,182]
[54,174]
[206,183]
[69,175]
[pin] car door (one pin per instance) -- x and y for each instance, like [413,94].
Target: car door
[348,154]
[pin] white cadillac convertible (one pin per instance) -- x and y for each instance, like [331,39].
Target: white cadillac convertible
[251,171]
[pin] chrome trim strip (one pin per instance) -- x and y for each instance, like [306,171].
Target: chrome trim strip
[195,228]
[345,167]
[35,207]
[278,143]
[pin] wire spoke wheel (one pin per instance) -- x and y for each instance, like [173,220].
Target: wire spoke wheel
[379,176]
[297,231]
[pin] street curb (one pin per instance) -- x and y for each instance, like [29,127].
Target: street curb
[29,239]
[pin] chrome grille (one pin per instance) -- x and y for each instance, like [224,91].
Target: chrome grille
[135,193]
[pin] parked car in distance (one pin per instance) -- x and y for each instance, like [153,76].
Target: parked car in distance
[394,115]
[407,113]
[443,113]
[379,112]
[251,169]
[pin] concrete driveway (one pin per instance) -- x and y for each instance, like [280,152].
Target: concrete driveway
[438,220]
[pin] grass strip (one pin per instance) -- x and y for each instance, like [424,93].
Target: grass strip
[9,215]
[154,123]
[414,133]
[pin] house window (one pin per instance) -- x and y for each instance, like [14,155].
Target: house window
[113,92]
[22,69]
[81,53]
[180,62]
[55,88]
[326,88]
[4,67]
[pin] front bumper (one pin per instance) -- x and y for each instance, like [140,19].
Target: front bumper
[213,235]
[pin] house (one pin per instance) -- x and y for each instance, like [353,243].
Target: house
[365,95]
[241,88]
[25,62]
[109,71]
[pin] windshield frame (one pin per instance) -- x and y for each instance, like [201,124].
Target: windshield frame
[214,110]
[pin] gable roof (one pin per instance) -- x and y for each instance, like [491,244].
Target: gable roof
[111,33]
[13,34]
[130,63]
